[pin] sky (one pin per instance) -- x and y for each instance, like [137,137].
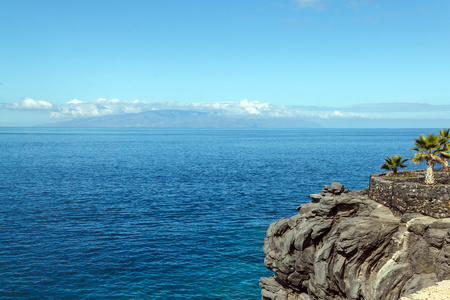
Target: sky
[346,59]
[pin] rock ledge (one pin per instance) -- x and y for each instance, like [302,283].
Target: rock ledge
[342,245]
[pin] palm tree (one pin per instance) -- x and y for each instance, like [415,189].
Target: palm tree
[444,135]
[394,162]
[428,149]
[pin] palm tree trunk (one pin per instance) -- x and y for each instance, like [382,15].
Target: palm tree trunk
[429,176]
[445,167]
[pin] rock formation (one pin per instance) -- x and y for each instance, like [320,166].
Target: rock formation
[342,245]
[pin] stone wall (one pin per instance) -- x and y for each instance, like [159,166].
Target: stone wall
[409,194]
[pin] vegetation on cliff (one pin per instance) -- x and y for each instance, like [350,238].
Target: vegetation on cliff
[431,149]
[392,163]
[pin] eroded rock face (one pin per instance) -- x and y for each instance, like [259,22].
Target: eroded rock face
[343,245]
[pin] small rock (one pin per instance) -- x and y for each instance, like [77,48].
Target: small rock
[337,188]
[315,197]
[327,189]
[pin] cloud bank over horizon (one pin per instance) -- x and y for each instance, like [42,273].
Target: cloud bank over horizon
[358,115]
[103,107]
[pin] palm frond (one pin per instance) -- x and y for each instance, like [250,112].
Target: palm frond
[446,154]
[394,162]
[444,134]
[418,159]
[385,167]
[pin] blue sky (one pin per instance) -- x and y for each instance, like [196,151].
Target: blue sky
[347,59]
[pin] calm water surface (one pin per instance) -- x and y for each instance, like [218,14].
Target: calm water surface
[162,214]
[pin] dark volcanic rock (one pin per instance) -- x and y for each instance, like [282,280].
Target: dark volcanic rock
[343,245]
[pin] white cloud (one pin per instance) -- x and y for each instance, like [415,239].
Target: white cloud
[243,107]
[254,107]
[96,108]
[31,104]
[336,114]
[75,101]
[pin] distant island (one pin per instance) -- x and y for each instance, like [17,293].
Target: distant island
[184,119]
[181,118]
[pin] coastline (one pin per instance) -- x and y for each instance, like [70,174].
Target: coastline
[344,245]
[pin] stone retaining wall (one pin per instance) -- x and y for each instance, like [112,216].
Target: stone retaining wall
[409,194]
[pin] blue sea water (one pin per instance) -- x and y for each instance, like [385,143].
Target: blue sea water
[162,214]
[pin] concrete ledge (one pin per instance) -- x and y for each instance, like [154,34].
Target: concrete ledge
[409,194]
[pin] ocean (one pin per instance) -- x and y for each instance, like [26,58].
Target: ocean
[163,214]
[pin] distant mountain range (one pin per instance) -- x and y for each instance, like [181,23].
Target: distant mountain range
[174,118]
[184,119]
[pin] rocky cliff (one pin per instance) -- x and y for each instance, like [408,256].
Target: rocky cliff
[342,245]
